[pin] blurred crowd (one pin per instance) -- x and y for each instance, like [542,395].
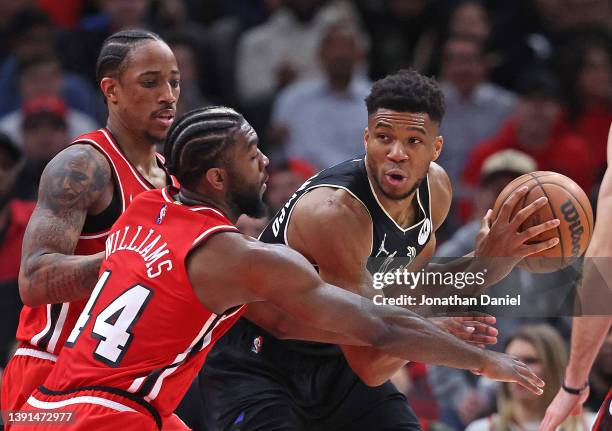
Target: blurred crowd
[528,86]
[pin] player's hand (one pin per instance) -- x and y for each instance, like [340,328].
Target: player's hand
[505,368]
[503,238]
[564,405]
[476,330]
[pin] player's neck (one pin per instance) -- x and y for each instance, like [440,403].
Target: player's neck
[402,211]
[138,150]
[189,197]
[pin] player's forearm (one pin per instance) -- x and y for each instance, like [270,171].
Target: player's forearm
[55,278]
[412,338]
[372,366]
[588,334]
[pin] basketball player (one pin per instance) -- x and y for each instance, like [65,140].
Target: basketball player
[389,203]
[588,333]
[175,277]
[83,190]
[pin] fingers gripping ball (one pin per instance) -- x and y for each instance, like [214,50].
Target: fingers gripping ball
[567,202]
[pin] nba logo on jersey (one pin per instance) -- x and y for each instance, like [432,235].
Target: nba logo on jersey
[257,343]
[161,215]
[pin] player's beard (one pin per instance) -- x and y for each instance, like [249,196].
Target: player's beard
[247,198]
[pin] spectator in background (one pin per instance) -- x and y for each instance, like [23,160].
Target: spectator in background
[586,69]
[252,226]
[81,47]
[404,34]
[528,34]
[475,108]
[321,120]
[535,130]
[283,49]
[186,53]
[543,349]
[45,133]
[41,76]
[284,180]
[460,398]
[8,10]
[14,216]
[33,35]
[470,19]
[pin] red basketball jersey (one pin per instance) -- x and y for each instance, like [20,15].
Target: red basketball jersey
[143,329]
[46,328]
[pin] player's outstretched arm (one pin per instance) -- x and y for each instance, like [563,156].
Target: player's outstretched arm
[70,184]
[246,270]
[588,333]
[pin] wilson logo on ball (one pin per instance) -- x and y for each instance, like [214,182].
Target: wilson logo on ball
[570,215]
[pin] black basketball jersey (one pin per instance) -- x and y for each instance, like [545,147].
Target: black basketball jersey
[389,240]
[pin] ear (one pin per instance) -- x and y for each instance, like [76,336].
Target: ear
[438,144]
[366,136]
[109,89]
[216,178]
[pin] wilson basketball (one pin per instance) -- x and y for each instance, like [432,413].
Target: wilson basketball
[567,202]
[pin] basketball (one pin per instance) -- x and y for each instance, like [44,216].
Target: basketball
[567,202]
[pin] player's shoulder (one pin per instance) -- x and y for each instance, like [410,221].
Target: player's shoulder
[441,192]
[78,173]
[333,204]
[84,157]
[332,216]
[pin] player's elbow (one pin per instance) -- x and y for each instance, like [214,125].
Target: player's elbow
[371,378]
[28,288]
[25,291]
[365,368]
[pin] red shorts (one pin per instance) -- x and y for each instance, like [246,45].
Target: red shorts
[89,409]
[27,370]
[604,418]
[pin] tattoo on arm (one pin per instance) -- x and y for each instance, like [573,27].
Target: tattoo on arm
[70,184]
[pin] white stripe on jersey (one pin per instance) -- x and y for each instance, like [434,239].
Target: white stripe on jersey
[22,351]
[49,405]
[181,357]
[36,338]
[58,327]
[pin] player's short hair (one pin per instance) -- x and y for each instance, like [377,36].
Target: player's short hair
[116,49]
[197,141]
[407,91]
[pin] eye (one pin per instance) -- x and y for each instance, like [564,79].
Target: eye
[149,83]
[175,83]
[414,141]
[382,137]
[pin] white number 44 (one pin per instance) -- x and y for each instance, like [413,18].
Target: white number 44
[113,325]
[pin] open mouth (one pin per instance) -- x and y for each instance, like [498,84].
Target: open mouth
[395,178]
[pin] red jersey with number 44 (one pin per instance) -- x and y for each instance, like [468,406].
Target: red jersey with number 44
[45,328]
[143,329]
